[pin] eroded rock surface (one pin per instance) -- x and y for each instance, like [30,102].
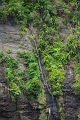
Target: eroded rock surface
[71,102]
[16,110]
[10,38]
[21,109]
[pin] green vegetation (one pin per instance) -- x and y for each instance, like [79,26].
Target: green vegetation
[14,77]
[26,11]
[73,48]
[55,53]
[9,51]
[54,57]
[11,66]
[79,117]
[43,116]
[33,85]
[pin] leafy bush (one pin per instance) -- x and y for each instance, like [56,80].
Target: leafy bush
[56,77]
[33,87]
[9,51]
[33,70]
[14,89]
[14,76]
[9,75]
[1,55]
[76,87]
[26,57]
[10,62]
[25,11]
[54,57]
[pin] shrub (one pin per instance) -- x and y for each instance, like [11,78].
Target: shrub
[56,77]
[76,87]
[33,70]
[14,89]
[33,87]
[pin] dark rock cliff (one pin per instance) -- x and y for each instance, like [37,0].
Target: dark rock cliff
[71,102]
[20,109]
[23,108]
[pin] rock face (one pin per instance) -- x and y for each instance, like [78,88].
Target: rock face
[10,38]
[21,109]
[71,102]
[7,106]
[15,110]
